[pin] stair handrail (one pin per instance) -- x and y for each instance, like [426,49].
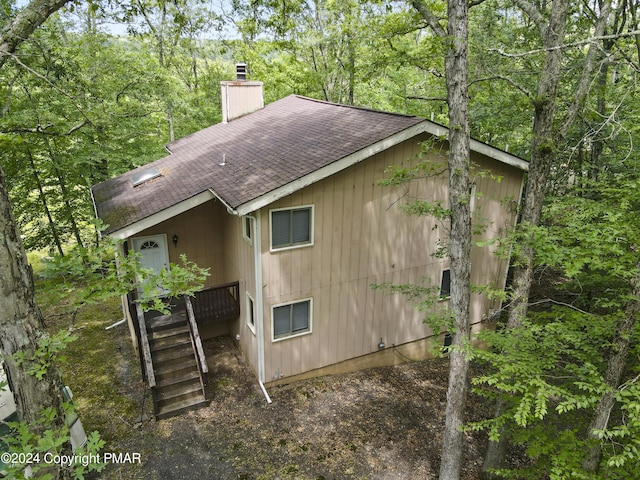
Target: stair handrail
[195,336]
[146,350]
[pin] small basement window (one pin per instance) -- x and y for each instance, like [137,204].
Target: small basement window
[145,175]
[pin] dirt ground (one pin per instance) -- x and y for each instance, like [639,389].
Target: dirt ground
[381,423]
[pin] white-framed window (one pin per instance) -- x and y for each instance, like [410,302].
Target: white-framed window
[291,319]
[445,284]
[247,229]
[251,313]
[291,227]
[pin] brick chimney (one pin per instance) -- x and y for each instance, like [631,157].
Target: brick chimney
[239,96]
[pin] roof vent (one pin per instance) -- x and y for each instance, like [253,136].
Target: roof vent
[241,71]
[145,175]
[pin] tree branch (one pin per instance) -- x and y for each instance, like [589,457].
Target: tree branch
[581,43]
[587,70]
[23,25]
[429,17]
[534,14]
[427,99]
[517,86]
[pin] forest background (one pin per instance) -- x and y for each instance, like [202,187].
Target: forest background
[83,100]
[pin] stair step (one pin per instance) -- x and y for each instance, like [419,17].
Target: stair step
[170,342]
[178,380]
[173,376]
[183,343]
[178,393]
[167,411]
[164,322]
[176,355]
[168,369]
[177,329]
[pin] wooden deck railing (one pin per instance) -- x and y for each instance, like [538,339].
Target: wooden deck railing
[195,338]
[144,344]
[217,303]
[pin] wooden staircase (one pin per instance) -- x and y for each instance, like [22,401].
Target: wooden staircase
[179,384]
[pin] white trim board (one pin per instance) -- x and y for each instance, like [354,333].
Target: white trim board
[339,165]
[161,216]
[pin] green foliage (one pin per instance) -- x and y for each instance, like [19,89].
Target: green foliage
[49,349]
[93,275]
[40,449]
[549,378]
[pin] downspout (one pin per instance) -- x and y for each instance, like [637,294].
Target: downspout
[259,302]
[257,262]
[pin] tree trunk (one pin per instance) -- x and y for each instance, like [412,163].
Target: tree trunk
[21,322]
[456,37]
[20,318]
[460,239]
[542,156]
[615,368]
[19,28]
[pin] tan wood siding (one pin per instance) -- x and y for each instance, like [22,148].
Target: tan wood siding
[361,237]
[201,235]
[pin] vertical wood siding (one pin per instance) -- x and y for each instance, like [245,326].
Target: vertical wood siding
[201,234]
[362,237]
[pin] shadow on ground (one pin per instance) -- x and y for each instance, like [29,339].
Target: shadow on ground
[381,423]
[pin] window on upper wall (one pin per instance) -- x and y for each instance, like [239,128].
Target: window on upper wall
[291,319]
[445,285]
[246,229]
[251,314]
[291,227]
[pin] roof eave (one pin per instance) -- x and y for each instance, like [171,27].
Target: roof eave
[162,215]
[331,169]
[423,127]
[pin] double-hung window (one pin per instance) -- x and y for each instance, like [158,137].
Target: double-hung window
[292,319]
[291,227]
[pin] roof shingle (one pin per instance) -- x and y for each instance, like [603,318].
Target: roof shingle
[262,151]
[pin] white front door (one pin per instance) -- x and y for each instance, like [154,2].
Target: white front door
[153,252]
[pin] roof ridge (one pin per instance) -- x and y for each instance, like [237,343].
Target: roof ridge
[356,107]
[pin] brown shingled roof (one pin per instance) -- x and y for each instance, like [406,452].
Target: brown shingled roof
[265,150]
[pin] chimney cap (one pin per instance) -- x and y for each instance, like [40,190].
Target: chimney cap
[241,71]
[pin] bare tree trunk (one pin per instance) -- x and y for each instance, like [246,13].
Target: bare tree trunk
[66,199]
[21,322]
[542,156]
[615,368]
[460,240]
[20,318]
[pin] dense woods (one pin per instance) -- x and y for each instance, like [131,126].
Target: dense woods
[100,88]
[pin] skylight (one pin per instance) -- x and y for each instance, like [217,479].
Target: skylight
[145,175]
